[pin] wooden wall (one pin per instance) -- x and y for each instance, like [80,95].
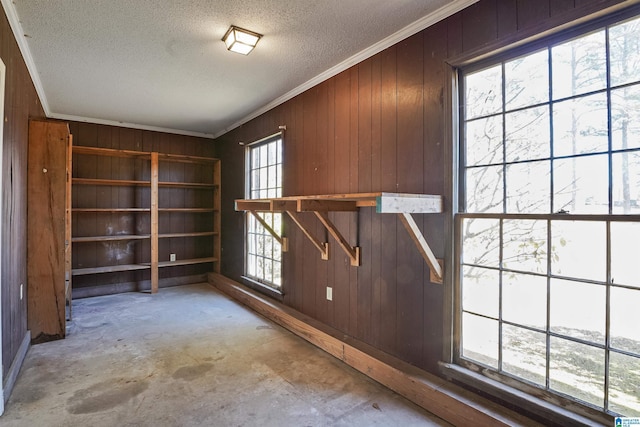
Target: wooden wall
[21,102]
[380,126]
[87,255]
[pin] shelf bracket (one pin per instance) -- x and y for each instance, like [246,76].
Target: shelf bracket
[435,265]
[352,252]
[284,242]
[322,247]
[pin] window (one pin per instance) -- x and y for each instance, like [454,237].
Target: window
[549,222]
[264,180]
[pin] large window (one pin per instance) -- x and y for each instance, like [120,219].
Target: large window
[549,222]
[264,180]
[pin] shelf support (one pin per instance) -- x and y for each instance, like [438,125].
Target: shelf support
[284,242]
[352,252]
[322,247]
[154,222]
[435,265]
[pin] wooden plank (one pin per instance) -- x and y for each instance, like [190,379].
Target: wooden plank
[154,222]
[46,263]
[326,206]
[192,234]
[322,247]
[444,399]
[118,182]
[423,247]
[110,238]
[98,151]
[67,227]
[352,252]
[278,205]
[202,185]
[408,203]
[253,205]
[191,261]
[105,210]
[108,269]
[270,230]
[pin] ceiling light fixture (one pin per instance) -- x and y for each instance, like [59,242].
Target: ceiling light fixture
[240,40]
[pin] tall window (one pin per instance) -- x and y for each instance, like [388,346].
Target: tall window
[263,252]
[549,226]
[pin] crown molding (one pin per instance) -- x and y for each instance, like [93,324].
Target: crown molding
[69,117]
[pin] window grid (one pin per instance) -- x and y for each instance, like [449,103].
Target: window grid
[263,253]
[490,174]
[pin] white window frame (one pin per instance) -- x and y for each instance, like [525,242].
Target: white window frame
[263,253]
[481,374]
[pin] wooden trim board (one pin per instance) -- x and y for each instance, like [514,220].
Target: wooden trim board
[438,396]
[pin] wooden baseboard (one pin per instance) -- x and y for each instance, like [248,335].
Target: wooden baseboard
[14,369]
[438,396]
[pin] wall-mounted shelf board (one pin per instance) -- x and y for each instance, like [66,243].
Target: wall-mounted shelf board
[402,204]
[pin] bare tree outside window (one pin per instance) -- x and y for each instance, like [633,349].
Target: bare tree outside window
[549,228]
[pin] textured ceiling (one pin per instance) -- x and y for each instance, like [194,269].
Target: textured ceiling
[161,64]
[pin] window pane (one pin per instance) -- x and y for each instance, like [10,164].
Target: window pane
[524,353]
[264,159]
[578,249]
[626,183]
[484,141]
[483,92]
[578,310]
[481,242]
[277,273]
[624,388]
[251,264]
[528,188]
[525,245]
[484,189]
[480,291]
[625,253]
[524,299]
[624,44]
[579,66]
[527,134]
[480,339]
[581,185]
[577,370]
[625,117]
[625,328]
[580,126]
[527,80]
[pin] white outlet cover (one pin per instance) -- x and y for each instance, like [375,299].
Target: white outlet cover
[329,293]
[172,257]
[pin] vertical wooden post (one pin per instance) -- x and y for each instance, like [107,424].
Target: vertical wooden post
[154,222]
[67,230]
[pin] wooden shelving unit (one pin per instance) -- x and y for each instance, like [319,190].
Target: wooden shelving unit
[402,204]
[146,212]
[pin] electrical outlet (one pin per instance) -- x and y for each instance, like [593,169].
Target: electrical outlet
[329,293]
[21,291]
[172,257]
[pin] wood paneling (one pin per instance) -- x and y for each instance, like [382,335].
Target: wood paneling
[379,126]
[21,103]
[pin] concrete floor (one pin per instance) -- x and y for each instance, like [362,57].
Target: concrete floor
[190,356]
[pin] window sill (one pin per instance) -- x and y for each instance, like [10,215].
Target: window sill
[264,289]
[528,402]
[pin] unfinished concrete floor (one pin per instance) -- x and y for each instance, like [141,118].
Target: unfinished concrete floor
[190,356]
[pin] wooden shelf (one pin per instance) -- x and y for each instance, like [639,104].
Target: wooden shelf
[186,159]
[402,204]
[118,182]
[187,185]
[153,168]
[97,151]
[186,262]
[188,210]
[110,210]
[120,237]
[109,269]
[193,234]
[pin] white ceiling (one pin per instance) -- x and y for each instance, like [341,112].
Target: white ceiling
[161,64]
